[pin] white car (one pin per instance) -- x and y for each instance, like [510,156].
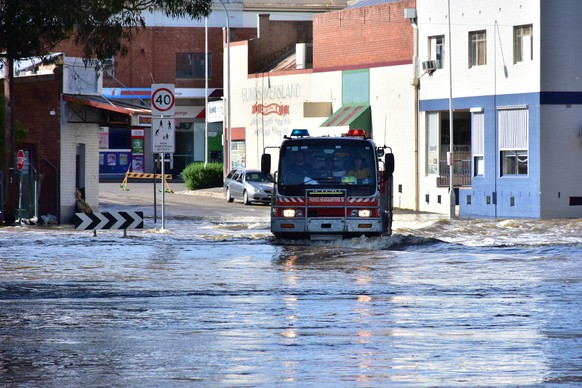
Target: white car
[248,186]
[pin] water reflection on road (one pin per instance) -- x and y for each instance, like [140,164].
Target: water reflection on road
[219,302]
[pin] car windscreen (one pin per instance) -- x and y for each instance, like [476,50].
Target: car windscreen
[258,177]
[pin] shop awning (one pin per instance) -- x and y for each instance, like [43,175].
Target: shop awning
[348,115]
[103,103]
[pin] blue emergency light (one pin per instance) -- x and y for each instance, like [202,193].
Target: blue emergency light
[300,133]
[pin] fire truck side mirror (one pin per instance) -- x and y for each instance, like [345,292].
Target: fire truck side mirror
[389,164]
[266,163]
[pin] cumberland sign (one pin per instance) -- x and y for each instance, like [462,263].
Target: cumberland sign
[277,109]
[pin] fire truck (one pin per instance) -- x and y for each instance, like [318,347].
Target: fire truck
[331,187]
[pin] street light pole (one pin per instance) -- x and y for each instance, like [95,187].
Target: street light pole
[452,198]
[228,128]
[205,91]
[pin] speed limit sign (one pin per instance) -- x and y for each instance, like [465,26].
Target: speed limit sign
[163,100]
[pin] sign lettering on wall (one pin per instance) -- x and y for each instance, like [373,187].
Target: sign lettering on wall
[275,92]
[278,109]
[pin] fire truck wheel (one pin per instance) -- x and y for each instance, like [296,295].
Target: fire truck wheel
[246,198]
[229,198]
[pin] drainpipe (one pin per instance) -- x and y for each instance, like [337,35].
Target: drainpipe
[410,13]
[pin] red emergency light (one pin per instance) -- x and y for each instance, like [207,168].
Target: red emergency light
[356,133]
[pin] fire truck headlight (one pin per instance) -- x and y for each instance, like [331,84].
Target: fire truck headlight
[289,213]
[364,213]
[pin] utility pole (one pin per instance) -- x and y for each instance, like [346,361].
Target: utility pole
[9,214]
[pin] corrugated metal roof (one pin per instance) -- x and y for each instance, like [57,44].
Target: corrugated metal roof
[369,3]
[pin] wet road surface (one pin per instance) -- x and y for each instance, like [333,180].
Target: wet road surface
[215,301]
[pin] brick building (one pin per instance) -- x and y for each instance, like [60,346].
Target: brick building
[62,109]
[173,55]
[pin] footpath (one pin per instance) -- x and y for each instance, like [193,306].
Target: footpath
[141,196]
[109,190]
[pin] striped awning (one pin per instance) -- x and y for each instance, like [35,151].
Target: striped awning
[345,115]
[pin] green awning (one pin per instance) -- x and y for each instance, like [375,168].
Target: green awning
[350,115]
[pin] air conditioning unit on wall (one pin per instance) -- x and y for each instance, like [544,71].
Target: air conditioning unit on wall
[429,65]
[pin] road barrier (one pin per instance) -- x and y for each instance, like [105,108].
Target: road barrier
[108,220]
[144,175]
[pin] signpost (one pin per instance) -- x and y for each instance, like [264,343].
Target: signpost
[20,162]
[163,108]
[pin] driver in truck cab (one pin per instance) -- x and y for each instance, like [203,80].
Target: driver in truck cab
[299,168]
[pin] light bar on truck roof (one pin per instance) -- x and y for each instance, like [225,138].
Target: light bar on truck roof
[300,133]
[356,133]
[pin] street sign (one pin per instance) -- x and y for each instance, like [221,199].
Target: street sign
[163,100]
[163,135]
[20,160]
[108,220]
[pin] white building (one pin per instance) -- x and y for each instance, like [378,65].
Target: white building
[378,96]
[516,93]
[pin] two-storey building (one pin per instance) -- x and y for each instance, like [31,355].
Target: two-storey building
[510,70]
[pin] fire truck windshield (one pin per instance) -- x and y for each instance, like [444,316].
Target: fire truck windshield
[348,164]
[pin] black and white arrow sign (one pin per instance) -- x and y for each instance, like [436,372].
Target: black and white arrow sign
[108,220]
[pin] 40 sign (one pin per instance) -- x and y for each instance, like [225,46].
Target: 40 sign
[163,100]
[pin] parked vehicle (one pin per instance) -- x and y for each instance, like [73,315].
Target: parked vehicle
[248,186]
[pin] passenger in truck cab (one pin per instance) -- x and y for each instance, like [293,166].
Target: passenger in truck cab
[299,169]
[360,171]
[330,169]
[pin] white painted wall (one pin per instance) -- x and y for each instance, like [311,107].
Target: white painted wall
[71,135]
[497,18]
[561,160]
[561,47]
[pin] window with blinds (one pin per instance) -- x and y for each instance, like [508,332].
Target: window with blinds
[513,124]
[478,142]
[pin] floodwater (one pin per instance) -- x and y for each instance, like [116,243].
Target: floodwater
[214,302]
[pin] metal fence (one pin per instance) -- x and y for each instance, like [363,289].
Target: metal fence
[28,194]
[462,176]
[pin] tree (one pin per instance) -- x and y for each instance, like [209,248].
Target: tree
[102,27]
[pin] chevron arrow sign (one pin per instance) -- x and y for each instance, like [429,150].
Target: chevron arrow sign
[108,220]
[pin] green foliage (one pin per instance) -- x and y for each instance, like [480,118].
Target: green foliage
[197,177]
[20,132]
[102,28]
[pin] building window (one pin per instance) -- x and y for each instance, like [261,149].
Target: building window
[478,143]
[432,152]
[513,141]
[514,162]
[437,50]
[108,66]
[522,43]
[191,66]
[477,48]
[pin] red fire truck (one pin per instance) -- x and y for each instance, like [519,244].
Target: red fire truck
[331,187]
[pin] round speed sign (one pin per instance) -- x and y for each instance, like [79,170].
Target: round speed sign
[163,100]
